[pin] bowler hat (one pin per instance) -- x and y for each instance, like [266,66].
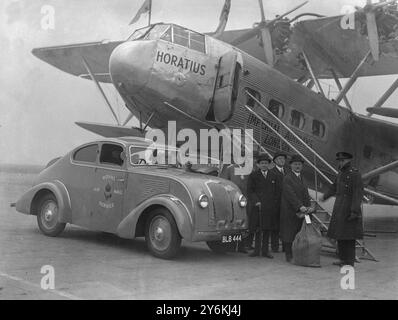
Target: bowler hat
[296,158]
[279,154]
[344,156]
[263,157]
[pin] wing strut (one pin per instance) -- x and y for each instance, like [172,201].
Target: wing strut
[86,65]
[353,78]
[338,83]
[385,97]
[314,78]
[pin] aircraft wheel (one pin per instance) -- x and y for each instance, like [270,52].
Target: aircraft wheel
[161,234]
[47,216]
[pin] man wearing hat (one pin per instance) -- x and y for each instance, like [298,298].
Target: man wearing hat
[264,220]
[346,222]
[295,203]
[279,172]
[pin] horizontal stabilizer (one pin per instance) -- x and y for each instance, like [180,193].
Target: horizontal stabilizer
[69,58]
[111,131]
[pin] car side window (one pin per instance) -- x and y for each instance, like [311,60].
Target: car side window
[87,154]
[111,154]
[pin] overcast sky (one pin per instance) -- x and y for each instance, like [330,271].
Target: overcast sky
[39,104]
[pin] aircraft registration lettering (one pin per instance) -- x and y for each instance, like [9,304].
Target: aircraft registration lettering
[180,62]
[106,205]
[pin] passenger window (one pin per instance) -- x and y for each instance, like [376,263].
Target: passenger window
[87,154]
[111,154]
[297,119]
[250,102]
[167,35]
[318,129]
[277,108]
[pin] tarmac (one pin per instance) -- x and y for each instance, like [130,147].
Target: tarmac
[95,265]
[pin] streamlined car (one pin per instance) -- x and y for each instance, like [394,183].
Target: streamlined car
[115,186]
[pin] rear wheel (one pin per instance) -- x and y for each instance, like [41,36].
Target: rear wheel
[219,247]
[161,234]
[47,216]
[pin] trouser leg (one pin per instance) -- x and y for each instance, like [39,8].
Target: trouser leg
[265,242]
[249,240]
[350,252]
[275,240]
[288,250]
[257,242]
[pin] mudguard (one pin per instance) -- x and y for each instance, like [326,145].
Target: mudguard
[127,227]
[24,204]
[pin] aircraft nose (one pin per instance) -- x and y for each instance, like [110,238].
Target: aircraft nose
[130,65]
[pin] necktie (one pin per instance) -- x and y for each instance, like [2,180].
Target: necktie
[264,174]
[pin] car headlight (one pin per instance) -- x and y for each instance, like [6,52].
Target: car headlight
[242,201]
[203,201]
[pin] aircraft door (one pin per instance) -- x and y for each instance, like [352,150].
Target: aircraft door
[226,87]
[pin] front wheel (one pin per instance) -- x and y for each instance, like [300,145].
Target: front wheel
[47,216]
[161,234]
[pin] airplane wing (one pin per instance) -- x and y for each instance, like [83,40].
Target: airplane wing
[327,45]
[111,131]
[69,58]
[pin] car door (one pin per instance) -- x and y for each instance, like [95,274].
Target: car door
[110,182]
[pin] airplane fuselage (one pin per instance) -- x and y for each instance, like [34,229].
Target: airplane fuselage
[208,80]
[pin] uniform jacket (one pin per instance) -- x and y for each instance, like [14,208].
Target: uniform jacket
[279,185]
[263,190]
[294,196]
[348,189]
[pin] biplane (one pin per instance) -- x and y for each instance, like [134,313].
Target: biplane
[265,79]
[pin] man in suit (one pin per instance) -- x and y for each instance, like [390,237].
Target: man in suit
[261,191]
[346,223]
[279,171]
[295,203]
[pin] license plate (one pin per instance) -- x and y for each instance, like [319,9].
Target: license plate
[232,238]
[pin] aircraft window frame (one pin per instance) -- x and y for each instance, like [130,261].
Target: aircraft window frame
[254,93]
[302,119]
[322,133]
[154,34]
[202,49]
[86,147]
[140,34]
[281,110]
[113,164]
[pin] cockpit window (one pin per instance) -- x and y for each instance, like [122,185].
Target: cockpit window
[186,38]
[156,32]
[139,33]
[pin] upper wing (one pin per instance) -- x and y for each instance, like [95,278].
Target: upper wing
[69,58]
[327,45]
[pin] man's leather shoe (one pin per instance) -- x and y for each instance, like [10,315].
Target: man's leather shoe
[254,254]
[267,255]
[289,258]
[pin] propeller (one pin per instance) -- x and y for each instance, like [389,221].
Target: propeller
[385,112]
[370,12]
[264,28]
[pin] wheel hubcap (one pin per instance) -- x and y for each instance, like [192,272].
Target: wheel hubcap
[160,233]
[49,214]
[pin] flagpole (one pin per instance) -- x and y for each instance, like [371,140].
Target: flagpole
[150,12]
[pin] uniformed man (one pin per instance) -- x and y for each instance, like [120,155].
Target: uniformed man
[261,192]
[279,171]
[346,222]
[295,204]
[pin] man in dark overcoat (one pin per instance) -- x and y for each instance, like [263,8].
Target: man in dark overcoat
[261,191]
[279,172]
[295,203]
[346,223]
